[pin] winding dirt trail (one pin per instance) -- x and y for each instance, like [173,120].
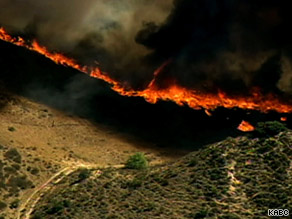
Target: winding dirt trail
[27,207]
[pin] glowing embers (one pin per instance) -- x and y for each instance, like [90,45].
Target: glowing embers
[245,127]
[283,119]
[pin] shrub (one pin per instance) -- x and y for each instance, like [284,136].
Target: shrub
[9,170]
[16,166]
[12,154]
[19,182]
[2,205]
[14,204]
[34,171]
[11,129]
[84,174]
[55,207]
[192,162]
[135,183]
[266,129]
[203,213]
[137,161]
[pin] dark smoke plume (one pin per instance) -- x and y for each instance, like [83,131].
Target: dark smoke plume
[93,31]
[234,44]
[228,44]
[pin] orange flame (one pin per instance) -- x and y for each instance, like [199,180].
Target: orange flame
[245,127]
[174,92]
[208,112]
[283,119]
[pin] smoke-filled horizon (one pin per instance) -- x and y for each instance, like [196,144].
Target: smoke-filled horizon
[92,31]
[228,44]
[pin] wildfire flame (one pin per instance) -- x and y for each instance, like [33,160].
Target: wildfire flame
[174,92]
[245,127]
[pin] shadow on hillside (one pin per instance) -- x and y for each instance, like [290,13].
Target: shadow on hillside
[165,124]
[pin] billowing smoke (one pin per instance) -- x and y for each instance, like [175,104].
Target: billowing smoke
[234,44]
[94,31]
[229,44]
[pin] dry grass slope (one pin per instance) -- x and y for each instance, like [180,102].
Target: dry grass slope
[37,141]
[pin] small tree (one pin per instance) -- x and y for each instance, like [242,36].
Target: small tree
[137,161]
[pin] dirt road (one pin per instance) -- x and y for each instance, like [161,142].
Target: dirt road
[27,207]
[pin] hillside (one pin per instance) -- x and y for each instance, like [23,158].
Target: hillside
[64,138]
[145,109]
[38,142]
[236,178]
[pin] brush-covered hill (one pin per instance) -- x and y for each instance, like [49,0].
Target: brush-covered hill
[239,177]
[38,142]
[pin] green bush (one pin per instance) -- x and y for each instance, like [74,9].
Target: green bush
[135,183]
[12,154]
[19,182]
[34,171]
[137,161]
[55,207]
[84,174]
[203,213]
[11,129]
[267,129]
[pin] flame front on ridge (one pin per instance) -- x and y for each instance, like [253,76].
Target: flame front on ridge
[152,93]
